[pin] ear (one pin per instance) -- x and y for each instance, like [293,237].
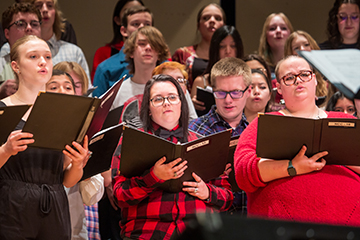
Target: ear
[15,66]
[124,32]
[6,32]
[278,87]
[117,20]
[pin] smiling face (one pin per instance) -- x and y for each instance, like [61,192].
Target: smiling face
[60,84]
[277,33]
[260,94]
[211,19]
[34,65]
[227,47]
[300,43]
[349,28]
[167,115]
[228,108]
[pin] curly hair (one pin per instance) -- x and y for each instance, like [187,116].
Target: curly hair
[15,8]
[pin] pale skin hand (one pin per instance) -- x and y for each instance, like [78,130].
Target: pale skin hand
[16,142]
[273,169]
[203,191]
[166,171]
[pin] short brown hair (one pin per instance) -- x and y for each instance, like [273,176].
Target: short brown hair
[133,10]
[230,66]
[156,41]
[15,8]
[69,67]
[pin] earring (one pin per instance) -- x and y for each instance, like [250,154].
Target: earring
[18,71]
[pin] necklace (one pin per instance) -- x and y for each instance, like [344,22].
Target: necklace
[15,95]
[313,116]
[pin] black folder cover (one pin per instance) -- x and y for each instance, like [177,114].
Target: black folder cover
[107,100]
[281,137]
[102,145]
[57,119]
[206,97]
[9,118]
[232,148]
[340,66]
[206,156]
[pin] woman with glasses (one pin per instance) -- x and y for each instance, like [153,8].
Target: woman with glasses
[148,212]
[343,25]
[303,188]
[225,42]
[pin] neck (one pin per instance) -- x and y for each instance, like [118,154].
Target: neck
[235,121]
[311,111]
[277,55]
[47,33]
[350,41]
[141,77]
[202,50]
[251,115]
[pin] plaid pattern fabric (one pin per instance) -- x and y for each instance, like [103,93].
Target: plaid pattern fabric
[211,123]
[92,221]
[150,213]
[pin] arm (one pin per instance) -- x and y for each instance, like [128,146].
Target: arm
[74,162]
[131,191]
[16,142]
[92,189]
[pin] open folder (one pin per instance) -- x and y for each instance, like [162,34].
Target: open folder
[206,156]
[57,119]
[9,118]
[281,137]
[340,67]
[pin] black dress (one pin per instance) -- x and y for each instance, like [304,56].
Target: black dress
[33,202]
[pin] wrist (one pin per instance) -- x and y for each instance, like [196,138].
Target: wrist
[291,169]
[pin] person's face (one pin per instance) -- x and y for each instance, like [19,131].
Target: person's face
[47,9]
[78,83]
[300,43]
[227,47]
[210,20]
[176,74]
[35,63]
[143,54]
[167,115]
[231,109]
[300,90]
[136,21]
[254,64]
[260,94]
[349,28]
[277,33]
[60,84]
[14,32]
[344,105]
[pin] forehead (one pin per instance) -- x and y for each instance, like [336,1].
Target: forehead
[254,64]
[163,88]
[34,46]
[349,8]
[231,82]
[24,16]
[228,38]
[257,78]
[293,65]
[44,1]
[277,20]
[211,9]
[140,16]
[300,38]
[59,79]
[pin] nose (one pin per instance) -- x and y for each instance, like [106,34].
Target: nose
[228,49]
[61,90]
[28,27]
[42,61]
[302,47]
[256,90]
[141,25]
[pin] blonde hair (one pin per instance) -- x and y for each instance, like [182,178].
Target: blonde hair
[321,89]
[264,48]
[69,67]
[59,22]
[156,41]
[171,66]
[230,66]
[14,52]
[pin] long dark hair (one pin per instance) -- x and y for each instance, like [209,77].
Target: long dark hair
[330,106]
[116,28]
[219,35]
[333,33]
[145,105]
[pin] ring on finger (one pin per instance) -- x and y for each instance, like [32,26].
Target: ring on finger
[196,190]
[175,175]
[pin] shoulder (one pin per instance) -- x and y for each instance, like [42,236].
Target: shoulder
[332,114]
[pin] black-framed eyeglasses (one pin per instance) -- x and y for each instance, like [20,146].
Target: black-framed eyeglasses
[290,78]
[236,94]
[22,25]
[182,81]
[159,100]
[345,17]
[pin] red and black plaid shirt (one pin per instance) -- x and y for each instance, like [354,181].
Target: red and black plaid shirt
[150,213]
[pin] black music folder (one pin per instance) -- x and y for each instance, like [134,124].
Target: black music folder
[232,147]
[58,119]
[281,137]
[102,145]
[206,97]
[340,67]
[10,117]
[206,156]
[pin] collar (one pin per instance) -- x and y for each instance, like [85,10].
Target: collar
[215,119]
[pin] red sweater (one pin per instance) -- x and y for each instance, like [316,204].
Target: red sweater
[331,195]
